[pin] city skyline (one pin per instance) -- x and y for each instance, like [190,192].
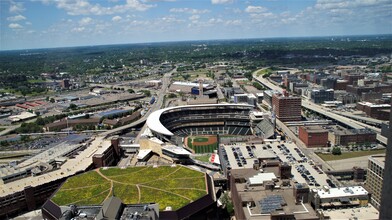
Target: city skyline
[63,23]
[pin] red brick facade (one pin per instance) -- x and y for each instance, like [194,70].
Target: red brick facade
[313,137]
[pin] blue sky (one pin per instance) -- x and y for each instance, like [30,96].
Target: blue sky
[60,23]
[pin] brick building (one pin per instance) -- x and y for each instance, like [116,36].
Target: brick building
[380,112]
[353,78]
[287,108]
[313,136]
[344,137]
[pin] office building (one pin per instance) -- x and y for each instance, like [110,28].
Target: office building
[339,136]
[322,95]
[342,197]
[386,195]
[313,136]
[286,108]
[374,179]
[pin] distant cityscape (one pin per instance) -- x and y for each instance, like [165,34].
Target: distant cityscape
[243,129]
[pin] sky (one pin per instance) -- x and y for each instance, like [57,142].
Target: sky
[27,24]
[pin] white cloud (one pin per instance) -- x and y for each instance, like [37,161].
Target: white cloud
[336,4]
[16,7]
[216,2]
[16,18]
[84,7]
[233,22]
[85,21]
[116,18]
[15,26]
[78,29]
[159,0]
[255,9]
[194,17]
[188,10]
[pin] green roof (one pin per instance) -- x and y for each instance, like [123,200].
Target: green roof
[169,186]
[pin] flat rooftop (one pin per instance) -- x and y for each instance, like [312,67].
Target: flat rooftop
[245,157]
[367,212]
[163,185]
[176,150]
[341,192]
[72,166]
[379,159]
[257,193]
[314,129]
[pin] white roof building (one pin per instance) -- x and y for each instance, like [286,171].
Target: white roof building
[260,178]
[352,191]
[22,116]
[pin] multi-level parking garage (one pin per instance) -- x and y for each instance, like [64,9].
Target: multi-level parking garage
[182,121]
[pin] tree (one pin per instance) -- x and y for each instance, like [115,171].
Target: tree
[25,138]
[52,100]
[336,151]
[73,106]
[131,91]
[226,201]
[146,92]
[172,95]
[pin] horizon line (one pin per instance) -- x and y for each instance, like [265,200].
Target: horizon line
[183,41]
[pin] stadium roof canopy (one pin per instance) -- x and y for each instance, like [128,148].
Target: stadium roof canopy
[155,124]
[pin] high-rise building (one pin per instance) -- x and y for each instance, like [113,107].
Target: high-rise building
[65,84]
[374,178]
[386,195]
[286,108]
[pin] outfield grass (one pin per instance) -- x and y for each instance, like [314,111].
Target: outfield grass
[200,139]
[347,155]
[166,185]
[200,149]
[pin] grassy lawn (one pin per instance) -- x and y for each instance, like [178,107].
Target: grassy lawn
[166,185]
[263,71]
[204,158]
[346,155]
[36,81]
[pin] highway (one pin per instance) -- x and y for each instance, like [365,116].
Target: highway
[319,109]
[367,120]
[157,105]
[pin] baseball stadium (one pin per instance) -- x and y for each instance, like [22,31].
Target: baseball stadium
[212,119]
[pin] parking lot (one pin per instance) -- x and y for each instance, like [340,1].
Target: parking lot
[303,170]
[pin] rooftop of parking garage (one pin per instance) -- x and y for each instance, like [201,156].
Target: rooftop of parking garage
[72,166]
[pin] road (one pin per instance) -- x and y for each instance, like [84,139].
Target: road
[8,129]
[308,152]
[157,105]
[159,101]
[317,108]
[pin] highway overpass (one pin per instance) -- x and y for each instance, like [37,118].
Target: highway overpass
[319,109]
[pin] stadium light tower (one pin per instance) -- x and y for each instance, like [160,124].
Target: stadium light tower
[200,87]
